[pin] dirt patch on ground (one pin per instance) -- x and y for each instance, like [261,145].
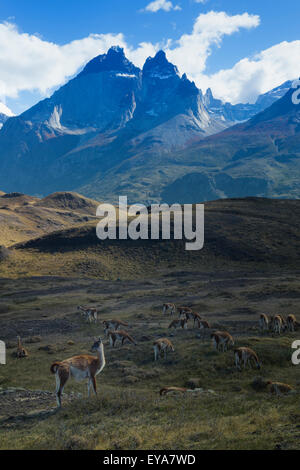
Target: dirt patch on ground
[19,405]
[36,327]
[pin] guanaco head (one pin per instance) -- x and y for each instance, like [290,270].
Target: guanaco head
[97,344]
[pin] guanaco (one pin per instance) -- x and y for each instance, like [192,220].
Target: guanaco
[189,314]
[181,323]
[161,347]
[277,324]
[119,335]
[80,368]
[246,356]
[113,325]
[184,311]
[90,313]
[279,388]
[21,351]
[291,322]
[222,340]
[263,322]
[169,308]
[203,325]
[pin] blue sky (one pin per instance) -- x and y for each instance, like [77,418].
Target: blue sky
[256,38]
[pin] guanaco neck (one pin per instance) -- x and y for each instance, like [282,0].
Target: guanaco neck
[101,357]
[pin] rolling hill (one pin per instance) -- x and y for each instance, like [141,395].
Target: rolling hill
[24,217]
[239,234]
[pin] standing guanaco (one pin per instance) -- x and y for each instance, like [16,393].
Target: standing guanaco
[222,340]
[80,367]
[169,308]
[246,356]
[119,335]
[161,347]
[21,351]
[90,313]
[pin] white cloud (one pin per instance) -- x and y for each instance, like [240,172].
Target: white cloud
[164,5]
[5,110]
[29,63]
[252,76]
[191,51]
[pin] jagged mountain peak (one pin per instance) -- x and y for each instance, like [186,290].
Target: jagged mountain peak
[113,61]
[159,66]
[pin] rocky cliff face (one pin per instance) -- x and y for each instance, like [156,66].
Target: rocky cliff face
[109,111]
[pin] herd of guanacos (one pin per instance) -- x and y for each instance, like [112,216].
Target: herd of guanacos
[87,367]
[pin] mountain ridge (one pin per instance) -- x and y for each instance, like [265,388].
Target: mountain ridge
[115,129]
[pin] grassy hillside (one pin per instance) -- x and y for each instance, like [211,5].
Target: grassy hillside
[240,233]
[24,217]
[249,265]
[228,413]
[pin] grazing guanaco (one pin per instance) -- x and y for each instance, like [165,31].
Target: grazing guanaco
[119,335]
[263,322]
[113,325]
[166,390]
[80,368]
[90,313]
[190,315]
[291,322]
[222,340]
[181,323]
[203,325]
[161,347]
[184,311]
[195,317]
[21,351]
[279,388]
[169,308]
[246,356]
[277,324]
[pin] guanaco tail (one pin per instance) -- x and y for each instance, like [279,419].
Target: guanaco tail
[222,340]
[246,356]
[161,347]
[21,351]
[80,368]
[119,335]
